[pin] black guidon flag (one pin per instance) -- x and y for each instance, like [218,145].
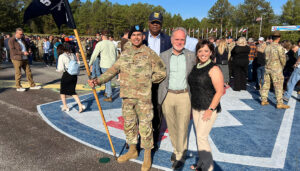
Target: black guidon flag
[60,10]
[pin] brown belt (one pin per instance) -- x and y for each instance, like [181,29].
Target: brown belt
[177,91]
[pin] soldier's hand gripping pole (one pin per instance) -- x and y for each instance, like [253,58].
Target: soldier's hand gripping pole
[94,92]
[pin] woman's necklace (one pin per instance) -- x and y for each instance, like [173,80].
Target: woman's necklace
[199,65]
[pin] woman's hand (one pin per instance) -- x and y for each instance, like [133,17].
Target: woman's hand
[207,115]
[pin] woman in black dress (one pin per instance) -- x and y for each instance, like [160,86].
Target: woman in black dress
[206,86]
[68,82]
[222,59]
[240,62]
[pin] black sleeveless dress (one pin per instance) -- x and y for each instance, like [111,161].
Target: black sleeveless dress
[201,87]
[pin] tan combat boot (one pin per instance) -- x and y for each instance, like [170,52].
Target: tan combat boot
[282,106]
[131,154]
[147,161]
[264,102]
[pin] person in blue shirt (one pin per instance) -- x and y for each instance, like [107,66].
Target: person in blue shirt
[46,49]
[191,43]
[295,76]
[159,42]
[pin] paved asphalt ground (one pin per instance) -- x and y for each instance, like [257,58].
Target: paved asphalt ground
[29,143]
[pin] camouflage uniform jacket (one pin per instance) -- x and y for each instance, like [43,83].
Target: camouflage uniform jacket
[40,43]
[275,57]
[138,69]
[261,47]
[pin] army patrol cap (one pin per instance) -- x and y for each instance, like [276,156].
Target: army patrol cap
[135,28]
[156,16]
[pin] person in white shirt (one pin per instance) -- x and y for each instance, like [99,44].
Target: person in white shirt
[108,55]
[68,82]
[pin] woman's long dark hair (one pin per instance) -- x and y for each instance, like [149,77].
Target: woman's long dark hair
[60,49]
[66,47]
[201,44]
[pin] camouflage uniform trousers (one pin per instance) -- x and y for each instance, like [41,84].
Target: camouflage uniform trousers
[138,115]
[40,52]
[277,78]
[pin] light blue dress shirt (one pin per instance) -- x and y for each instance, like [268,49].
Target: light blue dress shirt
[154,43]
[46,47]
[23,48]
[191,43]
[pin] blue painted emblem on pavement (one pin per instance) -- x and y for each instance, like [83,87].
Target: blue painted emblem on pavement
[245,136]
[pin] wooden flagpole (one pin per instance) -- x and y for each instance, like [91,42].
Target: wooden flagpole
[94,92]
[70,20]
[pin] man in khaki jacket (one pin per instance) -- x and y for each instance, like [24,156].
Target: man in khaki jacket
[19,58]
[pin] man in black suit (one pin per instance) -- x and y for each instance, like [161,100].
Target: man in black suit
[155,38]
[159,42]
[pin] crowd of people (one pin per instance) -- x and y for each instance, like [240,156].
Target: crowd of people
[163,77]
[43,48]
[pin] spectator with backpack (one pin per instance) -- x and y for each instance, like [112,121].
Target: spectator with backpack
[69,78]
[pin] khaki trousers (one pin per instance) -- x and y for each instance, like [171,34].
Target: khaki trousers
[40,48]
[18,74]
[177,111]
[203,129]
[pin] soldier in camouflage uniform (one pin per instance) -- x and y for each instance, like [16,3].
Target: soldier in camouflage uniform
[127,45]
[275,62]
[40,47]
[139,67]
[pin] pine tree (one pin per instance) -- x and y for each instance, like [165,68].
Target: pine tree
[220,12]
[10,15]
[291,12]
